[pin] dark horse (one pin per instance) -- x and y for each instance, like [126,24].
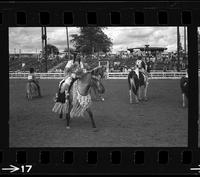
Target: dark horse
[135,83]
[80,97]
[99,74]
[184,89]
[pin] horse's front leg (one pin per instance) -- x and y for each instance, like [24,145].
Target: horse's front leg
[145,90]
[130,96]
[95,93]
[92,120]
[139,93]
[68,119]
[183,99]
[136,99]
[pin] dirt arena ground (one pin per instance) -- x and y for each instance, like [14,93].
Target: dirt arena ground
[160,122]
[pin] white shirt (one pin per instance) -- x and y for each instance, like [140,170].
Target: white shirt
[137,72]
[30,77]
[71,62]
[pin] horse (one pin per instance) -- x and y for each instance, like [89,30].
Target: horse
[137,80]
[184,89]
[31,90]
[80,96]
[99,74]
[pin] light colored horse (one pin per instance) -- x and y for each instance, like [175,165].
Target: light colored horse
[80,96]
[31,90]
[138,82]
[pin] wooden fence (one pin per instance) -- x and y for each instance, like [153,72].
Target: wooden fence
[110,75]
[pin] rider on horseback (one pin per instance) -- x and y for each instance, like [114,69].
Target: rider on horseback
[32,78]
[73,70]
[141,65]
[78,66]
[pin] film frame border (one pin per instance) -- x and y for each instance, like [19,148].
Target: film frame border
[175,17]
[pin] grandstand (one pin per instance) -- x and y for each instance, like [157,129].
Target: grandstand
[38,65]
[57,64]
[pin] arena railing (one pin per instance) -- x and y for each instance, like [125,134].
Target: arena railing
[118,75]
[152,75]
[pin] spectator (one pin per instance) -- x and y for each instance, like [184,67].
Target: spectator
[164,68]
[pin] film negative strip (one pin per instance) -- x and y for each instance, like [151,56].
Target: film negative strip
[158,135]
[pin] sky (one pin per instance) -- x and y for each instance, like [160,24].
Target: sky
[28,39]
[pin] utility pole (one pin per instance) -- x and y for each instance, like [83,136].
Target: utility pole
[14,53]
[178,43]
[20,58]
[185,40]
[68,43]
[44,46]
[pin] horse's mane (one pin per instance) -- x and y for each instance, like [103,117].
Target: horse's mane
[97,71]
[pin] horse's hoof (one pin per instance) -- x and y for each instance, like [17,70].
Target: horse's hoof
[68,127]
[102,99]
[95,129]
[145,99]
[137,100]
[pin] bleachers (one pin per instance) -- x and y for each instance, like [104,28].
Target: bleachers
[39,66]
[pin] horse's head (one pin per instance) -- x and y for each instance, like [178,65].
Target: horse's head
[97,84]
[97,74]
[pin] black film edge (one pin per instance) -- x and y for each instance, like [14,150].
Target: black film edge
[115,160]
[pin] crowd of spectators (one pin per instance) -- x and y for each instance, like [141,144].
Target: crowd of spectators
[116,64]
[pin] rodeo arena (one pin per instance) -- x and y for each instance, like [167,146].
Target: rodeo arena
[133,98]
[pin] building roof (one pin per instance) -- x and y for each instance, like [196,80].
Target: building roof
[148,48]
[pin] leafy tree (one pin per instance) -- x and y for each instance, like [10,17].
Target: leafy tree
[91,40]
[51,49]
[71,50]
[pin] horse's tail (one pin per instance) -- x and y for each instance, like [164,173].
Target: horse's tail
[133,82]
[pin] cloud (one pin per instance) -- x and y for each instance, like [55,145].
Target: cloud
[28,39]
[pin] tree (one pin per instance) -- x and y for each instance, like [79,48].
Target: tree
[51,49]
[71,50]
[91,40]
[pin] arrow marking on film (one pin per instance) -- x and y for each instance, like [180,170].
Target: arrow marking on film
[12,169]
